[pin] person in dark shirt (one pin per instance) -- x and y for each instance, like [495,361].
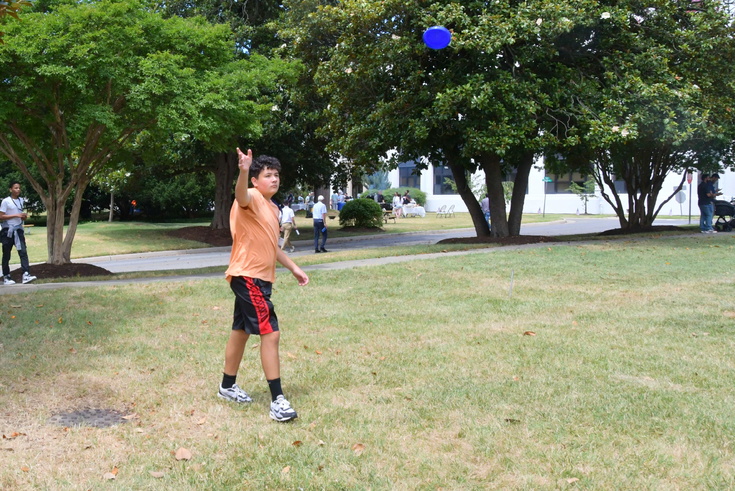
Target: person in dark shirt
[706,200]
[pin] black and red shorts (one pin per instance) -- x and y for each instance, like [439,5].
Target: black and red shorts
[254,312]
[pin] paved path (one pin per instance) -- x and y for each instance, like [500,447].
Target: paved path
[219,256]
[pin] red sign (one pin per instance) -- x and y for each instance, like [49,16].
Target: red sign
[689,177]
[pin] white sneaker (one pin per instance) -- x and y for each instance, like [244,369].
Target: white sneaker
[234,394]
[27,278]
[8,281]
[281,410]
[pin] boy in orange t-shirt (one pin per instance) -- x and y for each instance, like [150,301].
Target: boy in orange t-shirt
[255,227]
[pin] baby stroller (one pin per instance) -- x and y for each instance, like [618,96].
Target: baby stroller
[725,213]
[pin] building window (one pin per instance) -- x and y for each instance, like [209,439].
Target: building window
[620,186]
[441,174]
[560,182]
[406,176]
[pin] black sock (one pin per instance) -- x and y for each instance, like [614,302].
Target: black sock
[275,387]
[228,380]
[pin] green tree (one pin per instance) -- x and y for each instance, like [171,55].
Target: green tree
[654,95]
[11,9]
[480,103]
[377,181]
[288,128]
[584,192]
[82,80]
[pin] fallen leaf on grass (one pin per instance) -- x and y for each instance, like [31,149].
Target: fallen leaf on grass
[286,469]
[25,468]
[130,416]
[13,435]
[529,333]
[297,443]
[182,454]
[72,350]
[358,448]
[202,421]
[572,480]
[291,355]
[255,346]
[512,421]
[156,474]
[318,352]
[320,443]
[16,306]
[109,476]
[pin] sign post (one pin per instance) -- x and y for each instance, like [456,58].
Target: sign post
[546,179]
[689,181]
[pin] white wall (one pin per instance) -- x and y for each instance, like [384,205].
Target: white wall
[568,203]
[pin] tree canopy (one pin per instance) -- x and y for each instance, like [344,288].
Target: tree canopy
[522,79]
[82,80]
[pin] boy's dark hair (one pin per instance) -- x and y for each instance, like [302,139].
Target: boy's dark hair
[13,183]
[263,162]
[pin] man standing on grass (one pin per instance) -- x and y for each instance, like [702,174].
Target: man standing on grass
[255,231]
[12,234]
[320,224]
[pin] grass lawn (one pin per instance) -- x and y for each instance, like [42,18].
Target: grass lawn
[609,367]
[105,238]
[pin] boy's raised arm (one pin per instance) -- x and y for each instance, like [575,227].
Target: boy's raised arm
[241,188]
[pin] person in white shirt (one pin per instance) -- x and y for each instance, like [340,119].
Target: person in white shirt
[320,224]
[288,224]
[11,234]
[397,205]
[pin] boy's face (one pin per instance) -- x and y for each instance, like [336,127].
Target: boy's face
[267,182]
[15,190]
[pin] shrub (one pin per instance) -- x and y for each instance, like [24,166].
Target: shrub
[361,213]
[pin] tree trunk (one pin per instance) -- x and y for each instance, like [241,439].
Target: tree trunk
[224,177]
[519,193]
[463,188]
[491,164]
[112,205]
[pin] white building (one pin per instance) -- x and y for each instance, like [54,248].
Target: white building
[553,196]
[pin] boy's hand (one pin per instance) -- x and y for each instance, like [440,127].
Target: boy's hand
[300,276]
[244,161]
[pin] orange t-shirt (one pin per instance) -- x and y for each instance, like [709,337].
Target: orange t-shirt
[255,232]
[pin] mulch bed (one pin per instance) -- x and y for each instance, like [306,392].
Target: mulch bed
[72,270]
[506,241]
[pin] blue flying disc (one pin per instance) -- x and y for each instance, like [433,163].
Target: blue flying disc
[437,37]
